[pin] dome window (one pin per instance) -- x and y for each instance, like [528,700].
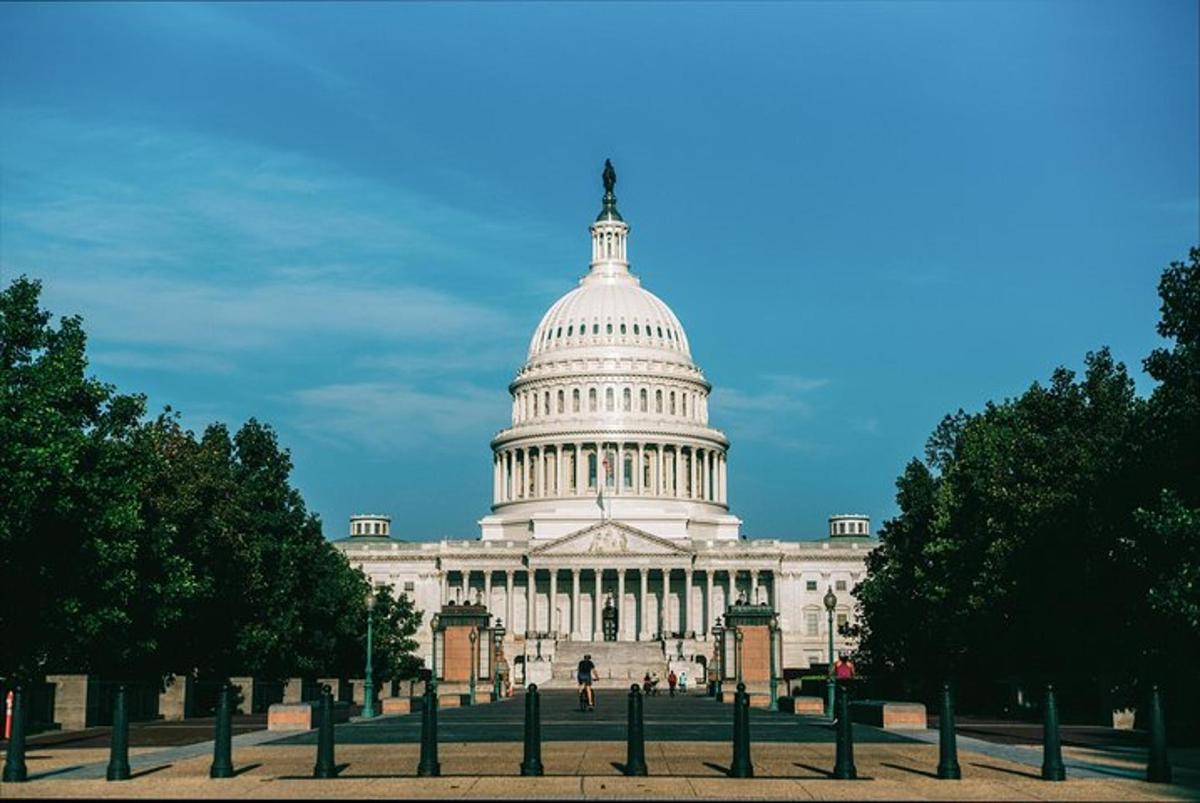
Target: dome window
[608,400]
[575,400]
[559,332]
[560,402]
[642,399]
[595,328]
[592,399]
[658,401]
[609,329]
[570,331]
[626,400]
[669,337]
[622,328]
[635,329]
[660,331]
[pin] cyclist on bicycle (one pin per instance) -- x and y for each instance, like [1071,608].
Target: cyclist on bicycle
[585,674]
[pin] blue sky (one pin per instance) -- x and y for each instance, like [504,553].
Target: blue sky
[347,220]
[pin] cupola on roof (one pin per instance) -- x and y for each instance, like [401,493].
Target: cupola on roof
[610,307]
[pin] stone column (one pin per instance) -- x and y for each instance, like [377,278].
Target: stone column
[487,589]
[689,619]
[641,471]
[538,473]
[445,584]
[731,597]
[708,601]
[495,478]
[754,586]
[598,606]
[559,484]
[580,479]
[464,586]
[677,486]
[724,481]
[622,625]
[664,607]
[694,475]
[553,626]
[531,600]
[620,468]
[644,619]
[508,601]
[576,635]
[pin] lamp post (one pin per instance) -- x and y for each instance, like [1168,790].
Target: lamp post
[738,635]
[830,603]
[368,710]
[434,622]
[473,635]
[719,636]
[774,706]
[498,643]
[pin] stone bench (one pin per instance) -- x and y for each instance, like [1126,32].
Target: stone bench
[302,716]
[888,715]
[396,705]
[808,706]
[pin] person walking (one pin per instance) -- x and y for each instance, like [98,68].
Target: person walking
[683,681]
[672,681]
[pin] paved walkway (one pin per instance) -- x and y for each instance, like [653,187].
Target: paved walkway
[688,751]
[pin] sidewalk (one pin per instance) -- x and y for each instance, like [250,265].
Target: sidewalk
[575,770]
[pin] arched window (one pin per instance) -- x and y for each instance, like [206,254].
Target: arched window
[671,410]
[595,328]
[622,328]
[570,330]
[608,329]
[558,332]
[635,329]
[658,401]
[627,400]
[628,470]
[642,400]
[646,486]
[660,331]
[591,469]
[592,399]
[575,400]
[683,401]
[546,403]
[609,404]
[560,402]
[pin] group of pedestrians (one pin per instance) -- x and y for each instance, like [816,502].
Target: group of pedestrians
[674,681]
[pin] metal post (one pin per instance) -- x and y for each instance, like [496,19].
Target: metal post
[635,741]
[738,635]
[741,766]
[325,766]
[368,709]
[829,684]
[948,768]
[474,638]
[1052,763]
[429,766]
[15,770]
[843,767]
[531,763]
[118,759]
[1158,769]
[222,763]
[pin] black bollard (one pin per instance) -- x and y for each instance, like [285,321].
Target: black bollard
[325,766]
[118,759]
[948,768]
[843,766]
[222,763]
[14,761]
[1158,770]
[635,747]
[429,766]
[741,766]
[1052,763]
[531,764]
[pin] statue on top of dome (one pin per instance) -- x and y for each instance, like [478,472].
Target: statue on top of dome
[609,212]
[609,176]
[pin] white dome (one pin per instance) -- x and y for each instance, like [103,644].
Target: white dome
[609,311]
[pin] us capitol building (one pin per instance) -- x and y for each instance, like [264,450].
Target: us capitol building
[610,517]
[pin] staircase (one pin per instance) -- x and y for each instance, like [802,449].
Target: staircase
[618,663]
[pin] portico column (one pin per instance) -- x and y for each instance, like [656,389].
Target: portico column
[559,488]
[530,608]
[724,481]
[665,605]
[464,585]
[487,589]
[708,601]
[445,575]
[622,625]
[553,625]
[731,597]
[644,619]
[539,471]
[694,474]
[688,621]
[597,605]
[575,634]
[754,586]
[677,490]
[711,485]
[508,600]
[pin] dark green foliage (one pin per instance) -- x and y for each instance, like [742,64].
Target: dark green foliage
[132,548]
[1055,535]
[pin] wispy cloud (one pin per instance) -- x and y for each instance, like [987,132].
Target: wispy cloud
[769,411]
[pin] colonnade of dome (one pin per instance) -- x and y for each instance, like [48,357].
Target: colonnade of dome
[563,470]
[551,401]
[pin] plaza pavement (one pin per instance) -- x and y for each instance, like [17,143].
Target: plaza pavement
[687,752]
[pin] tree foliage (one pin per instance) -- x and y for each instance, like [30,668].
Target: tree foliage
[131,547]
[1055,534]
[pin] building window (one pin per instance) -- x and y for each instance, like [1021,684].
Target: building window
[642,399]
[608,329]
[628,470]
[595,328]
[546,403]
[812,621]
[608,399]
[560,402]
[658,401]
[627,400]
[636,331]
[570,330]
[592,399]
[683,401]
[672,407]
[409,587]
[660,331]
[592,470]
[575,400]
[622,328]
[840,585]
[842,620]
[810,585]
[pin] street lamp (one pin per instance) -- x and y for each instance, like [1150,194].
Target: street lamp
[774,682]
[473,635]
[830,603]
[738,635]
[434,622]
[719,636]
[368,710]
[498,642]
